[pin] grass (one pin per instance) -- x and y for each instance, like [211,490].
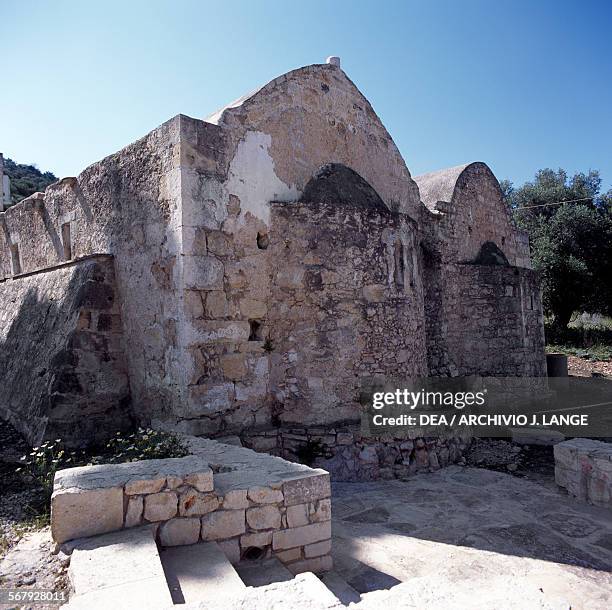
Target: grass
[601,353]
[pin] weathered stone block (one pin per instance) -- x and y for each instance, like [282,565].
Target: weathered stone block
[194,304]
[202,481]
[160,506]
[233,366]
[193,503]
[203,272]
[133,513]
[145,486]
[317,549]
[179,531]
[297,515]
[265,495]
[307,489]
[253,308]
[301,536]
[289,555]
[216,305]
[264,517]
[76,513]
[235,498]
[223,524]
[258,539]
[320,510]
[219,243]
[173,482]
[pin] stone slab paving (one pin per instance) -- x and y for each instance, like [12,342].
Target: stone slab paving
[442,537]
[199,571]
[118,570]
[304,592]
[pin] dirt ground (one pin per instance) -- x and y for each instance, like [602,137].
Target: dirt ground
[580,367]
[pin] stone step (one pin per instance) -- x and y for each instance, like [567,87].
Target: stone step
[120,570]
[261,572]
[304,592]
[199,572]
[340,588]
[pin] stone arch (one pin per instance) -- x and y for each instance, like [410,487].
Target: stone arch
[491,254]
[468,210]
[311,117]
[336,183]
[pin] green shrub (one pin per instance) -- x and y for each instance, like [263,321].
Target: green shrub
[142,445]
[41,464]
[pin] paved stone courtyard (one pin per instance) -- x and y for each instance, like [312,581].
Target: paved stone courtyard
[470,529]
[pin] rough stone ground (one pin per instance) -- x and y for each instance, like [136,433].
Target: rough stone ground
[26,558]
[14,496]
[465,524]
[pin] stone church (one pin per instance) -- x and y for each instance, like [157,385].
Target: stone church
[240,275]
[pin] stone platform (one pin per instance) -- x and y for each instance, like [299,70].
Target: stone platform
[249,503]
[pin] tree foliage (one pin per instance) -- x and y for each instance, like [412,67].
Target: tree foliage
[26,179]
[571,243]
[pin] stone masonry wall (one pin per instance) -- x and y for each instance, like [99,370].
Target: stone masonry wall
[349,456]
[242,500]
[584,468]
[346,304]
[497,327]
[268,146]
[480,319]
[127,205]
[62,355]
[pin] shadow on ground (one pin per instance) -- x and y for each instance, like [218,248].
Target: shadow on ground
[464,523]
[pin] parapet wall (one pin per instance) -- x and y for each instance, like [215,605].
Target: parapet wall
[248,503]
[62,357]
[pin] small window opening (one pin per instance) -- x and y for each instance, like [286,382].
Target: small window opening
[66,241]
[530,301]
[15,259]
[253,553]
[256,331]
[263,241]
[399,265]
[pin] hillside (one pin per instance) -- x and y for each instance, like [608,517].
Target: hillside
[26,179]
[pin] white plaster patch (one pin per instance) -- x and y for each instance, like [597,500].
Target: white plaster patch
[253,180]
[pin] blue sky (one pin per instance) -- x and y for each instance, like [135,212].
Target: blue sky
[518,84]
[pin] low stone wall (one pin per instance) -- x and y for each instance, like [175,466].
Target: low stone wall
[584,467]
[248,503]
[348,456]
